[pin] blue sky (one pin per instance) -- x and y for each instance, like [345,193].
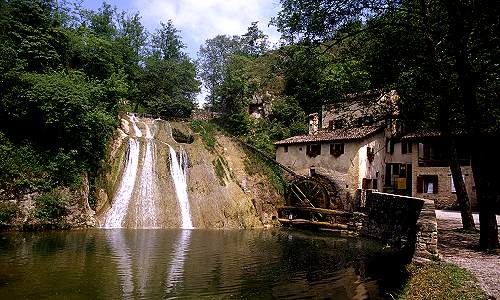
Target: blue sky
[199,20]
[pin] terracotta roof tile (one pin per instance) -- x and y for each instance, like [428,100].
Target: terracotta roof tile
[333,135]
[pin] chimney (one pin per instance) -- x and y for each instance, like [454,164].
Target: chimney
[313,123]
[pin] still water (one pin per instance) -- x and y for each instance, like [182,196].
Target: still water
[193,264]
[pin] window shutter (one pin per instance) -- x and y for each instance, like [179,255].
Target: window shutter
[420,184]
[435,182]
[404,147]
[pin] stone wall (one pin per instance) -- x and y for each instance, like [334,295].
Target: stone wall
[406,222]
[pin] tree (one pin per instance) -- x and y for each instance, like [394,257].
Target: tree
[212,61]
[215,55]
[168,84]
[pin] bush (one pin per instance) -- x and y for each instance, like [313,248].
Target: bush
[207,132]
[8,211]
[49,206]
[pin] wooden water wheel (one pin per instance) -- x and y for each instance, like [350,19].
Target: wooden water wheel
[307,192]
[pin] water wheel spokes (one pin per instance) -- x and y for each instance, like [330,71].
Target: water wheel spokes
[307,192]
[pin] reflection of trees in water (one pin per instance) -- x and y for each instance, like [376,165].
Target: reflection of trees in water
[190,263]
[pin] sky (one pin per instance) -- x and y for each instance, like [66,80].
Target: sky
[199,20]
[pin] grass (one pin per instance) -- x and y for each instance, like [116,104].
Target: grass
[440,280]
[219,170]
[256,163]
[207,132]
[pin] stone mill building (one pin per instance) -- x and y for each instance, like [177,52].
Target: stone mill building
[359,144]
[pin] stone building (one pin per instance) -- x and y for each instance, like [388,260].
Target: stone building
[431,176]
[360,144]
[352,158]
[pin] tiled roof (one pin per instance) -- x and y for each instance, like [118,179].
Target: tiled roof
[333,135]
[429,133]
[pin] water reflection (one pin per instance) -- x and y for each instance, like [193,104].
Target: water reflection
[123,258]
[159,264]
[177,265]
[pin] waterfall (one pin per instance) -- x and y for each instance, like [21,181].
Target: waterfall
[114,217]
[137,131]
[178,170]
[139,202]
[146,218]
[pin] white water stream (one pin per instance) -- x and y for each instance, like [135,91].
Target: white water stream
[141,196]
[178,169]
[115,215]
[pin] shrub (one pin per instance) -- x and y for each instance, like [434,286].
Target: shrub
[8,211]
[49,206]
[207,132]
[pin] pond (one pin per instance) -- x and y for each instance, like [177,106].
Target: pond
[194,264]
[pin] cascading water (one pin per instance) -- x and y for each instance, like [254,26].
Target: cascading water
[146,216]
[178,170]
[114,217]
[137,131]
[143,202]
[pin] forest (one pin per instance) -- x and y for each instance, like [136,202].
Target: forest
[67,72]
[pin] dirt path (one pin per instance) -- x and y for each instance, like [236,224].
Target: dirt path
[461,249]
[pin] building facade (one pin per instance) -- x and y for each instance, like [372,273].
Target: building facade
[362,146]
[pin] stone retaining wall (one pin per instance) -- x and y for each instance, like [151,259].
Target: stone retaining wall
[406,222]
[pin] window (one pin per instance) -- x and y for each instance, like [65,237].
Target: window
[405,147]
[313,150]
[370,153]
[337,149]
[389,146]
[427,184]
[285,149]
[330,125]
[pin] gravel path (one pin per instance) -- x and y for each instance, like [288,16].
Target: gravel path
[461,249]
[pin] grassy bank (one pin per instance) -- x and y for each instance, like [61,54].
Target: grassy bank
[440,280]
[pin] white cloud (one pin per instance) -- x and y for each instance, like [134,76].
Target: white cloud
[199,20]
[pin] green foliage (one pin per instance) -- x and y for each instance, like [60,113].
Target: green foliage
[217,55]
[49,206]
[207,132]
[8,211]
[168,87]
[20,168]
[238,123]
[255,163]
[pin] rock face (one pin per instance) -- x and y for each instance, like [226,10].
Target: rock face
[221,194]
[75,211]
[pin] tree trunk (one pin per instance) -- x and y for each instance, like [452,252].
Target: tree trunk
[438,84]
[461,191]
[480,160]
